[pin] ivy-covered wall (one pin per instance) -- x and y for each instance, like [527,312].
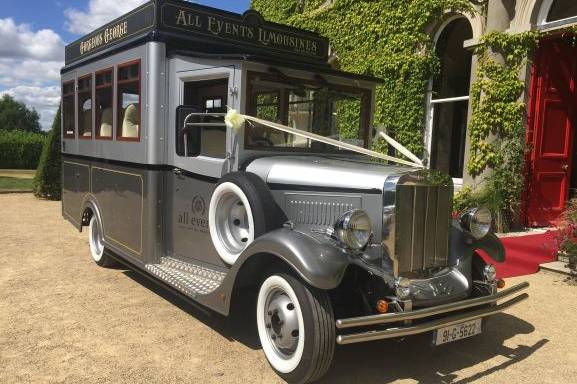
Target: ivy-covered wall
[389,39]
[384,38]
[497,126]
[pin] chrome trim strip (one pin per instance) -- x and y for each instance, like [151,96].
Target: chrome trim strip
[427,312]
[429,326]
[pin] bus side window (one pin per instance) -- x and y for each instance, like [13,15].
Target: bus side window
[210,140]
[128,80]
[85,107]
[68,109]
[104,103]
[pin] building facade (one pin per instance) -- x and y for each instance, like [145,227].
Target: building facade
[550,94]
[550,97]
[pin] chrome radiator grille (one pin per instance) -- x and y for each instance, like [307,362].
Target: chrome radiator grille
[318,210]
[423,220]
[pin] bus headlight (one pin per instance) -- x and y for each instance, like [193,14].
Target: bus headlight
[490,273]
[353,229]
[402,287]
[477,221]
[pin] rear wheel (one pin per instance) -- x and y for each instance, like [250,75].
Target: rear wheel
[96,241]
[296,328]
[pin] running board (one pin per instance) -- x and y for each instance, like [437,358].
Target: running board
[190,279]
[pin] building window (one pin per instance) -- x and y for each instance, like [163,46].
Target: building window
[561,10]
[68,109]
[104,103]
[128,80]
[448,103]
[85,107]
[214,105]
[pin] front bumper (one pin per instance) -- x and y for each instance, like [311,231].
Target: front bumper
[465,308]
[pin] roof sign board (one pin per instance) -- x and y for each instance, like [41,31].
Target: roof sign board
[182,20]
[139,21]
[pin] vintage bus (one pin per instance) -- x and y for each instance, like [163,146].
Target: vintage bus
[339,248]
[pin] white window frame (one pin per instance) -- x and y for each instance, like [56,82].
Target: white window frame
[542,22]
[430,102]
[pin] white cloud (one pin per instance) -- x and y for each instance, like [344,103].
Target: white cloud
[99,12]
[44,99]
[30,63]
[19,41]
[15,72]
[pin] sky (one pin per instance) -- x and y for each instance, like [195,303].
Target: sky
[33,34]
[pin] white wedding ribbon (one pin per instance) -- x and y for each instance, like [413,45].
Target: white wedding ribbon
[399,147]
[234,120]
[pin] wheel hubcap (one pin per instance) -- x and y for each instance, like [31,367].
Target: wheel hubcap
[232,223]
[281,321]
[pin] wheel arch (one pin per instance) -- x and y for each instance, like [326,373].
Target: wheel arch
[318,264]
[89,209]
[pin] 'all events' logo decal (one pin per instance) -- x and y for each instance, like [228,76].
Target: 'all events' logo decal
[195,219]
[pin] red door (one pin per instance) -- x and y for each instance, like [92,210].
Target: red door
[552,117]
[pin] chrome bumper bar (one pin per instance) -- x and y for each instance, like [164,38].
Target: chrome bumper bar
[428,312]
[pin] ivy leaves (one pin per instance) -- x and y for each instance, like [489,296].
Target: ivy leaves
[498,113]
[497,126]
[384,38]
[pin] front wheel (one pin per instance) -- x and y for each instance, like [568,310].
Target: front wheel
[296,328]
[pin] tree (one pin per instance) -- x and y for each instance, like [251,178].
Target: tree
[14,115]
[47,181]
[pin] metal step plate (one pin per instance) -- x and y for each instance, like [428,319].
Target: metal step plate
[190,279]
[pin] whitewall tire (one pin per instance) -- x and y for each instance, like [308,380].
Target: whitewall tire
[276,296]
[296,328]
[96,239]
[96,242]
[231,221]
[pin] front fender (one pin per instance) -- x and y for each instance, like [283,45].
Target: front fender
[319,264]
[493,246]
[463,245]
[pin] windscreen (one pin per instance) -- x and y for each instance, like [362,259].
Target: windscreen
[327,110]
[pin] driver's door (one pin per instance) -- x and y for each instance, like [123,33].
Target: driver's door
[199,157]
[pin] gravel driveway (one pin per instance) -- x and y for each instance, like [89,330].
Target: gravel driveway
[63,319]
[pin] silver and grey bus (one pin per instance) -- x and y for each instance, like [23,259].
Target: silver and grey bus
[336,248]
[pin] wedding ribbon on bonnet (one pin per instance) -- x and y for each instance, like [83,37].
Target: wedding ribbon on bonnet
[235,120]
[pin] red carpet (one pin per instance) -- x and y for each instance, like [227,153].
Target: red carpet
[525,253]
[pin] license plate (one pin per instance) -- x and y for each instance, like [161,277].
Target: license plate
[457,332]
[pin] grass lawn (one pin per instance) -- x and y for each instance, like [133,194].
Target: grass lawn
[18,173]
[15,183]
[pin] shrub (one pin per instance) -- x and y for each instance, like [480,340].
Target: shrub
[47,182]
[20,150]
[490,196]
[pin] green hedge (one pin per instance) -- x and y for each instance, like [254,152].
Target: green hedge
[47,182]
[20,150]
